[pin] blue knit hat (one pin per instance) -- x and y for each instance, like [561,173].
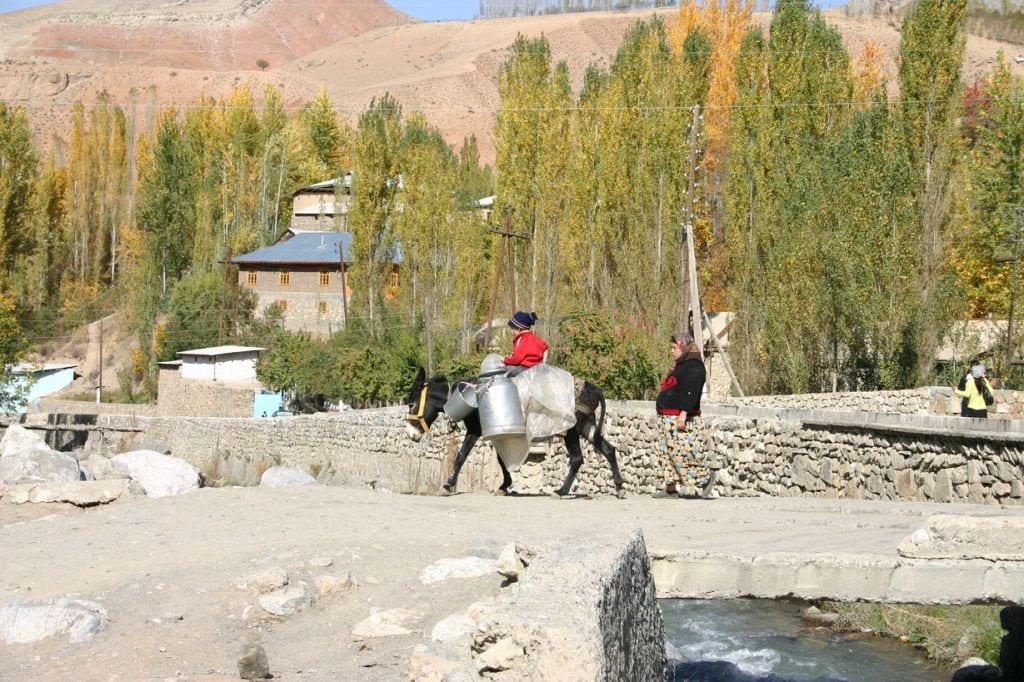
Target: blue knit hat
[523,320]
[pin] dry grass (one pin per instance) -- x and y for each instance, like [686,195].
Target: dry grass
[948,633]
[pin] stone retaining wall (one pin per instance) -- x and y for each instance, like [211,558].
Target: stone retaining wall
[584,609]
[58,406]
[757,451]
[930,400]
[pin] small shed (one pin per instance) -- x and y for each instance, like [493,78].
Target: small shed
[220,363]
[43,379]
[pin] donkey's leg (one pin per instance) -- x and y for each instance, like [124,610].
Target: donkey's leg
[588,427]
[572,444]
[467,444]
[506,479]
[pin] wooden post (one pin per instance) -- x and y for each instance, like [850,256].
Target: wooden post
[725,356]
[695,309]
[507,237]
[99,385]
[686,271]
[344,285]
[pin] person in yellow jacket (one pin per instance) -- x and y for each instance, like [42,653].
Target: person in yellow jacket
[978,393]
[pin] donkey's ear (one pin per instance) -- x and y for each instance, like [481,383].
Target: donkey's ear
[417,386]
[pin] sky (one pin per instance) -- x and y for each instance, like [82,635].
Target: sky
[428,10]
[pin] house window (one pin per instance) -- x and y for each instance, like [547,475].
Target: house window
[282,304]
[251,276]
[325,279]
[393,278]
[323,307]
[286,278]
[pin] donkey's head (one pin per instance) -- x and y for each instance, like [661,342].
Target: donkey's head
[426,402]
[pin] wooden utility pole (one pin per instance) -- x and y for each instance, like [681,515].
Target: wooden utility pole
[691,310]
[507,244]
[99,384]
[344,285]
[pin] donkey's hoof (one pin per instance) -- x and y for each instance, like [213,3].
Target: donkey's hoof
[620,493]
[500,492]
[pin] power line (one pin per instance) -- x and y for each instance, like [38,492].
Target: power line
[566,109]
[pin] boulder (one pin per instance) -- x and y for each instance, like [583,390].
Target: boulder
[26,622]
[159,475]
[38,463]
[278,476]
[264,580]
[17,438]
[388,623]
[286,601]
[465,567]
[102,468]
[78,493]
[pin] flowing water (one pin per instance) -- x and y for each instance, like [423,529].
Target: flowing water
[739,640]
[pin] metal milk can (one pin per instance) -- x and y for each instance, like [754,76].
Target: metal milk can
[500,411]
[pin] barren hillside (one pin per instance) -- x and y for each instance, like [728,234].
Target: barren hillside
[147,55]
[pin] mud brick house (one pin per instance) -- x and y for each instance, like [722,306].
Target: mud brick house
[323,205]
[304,274]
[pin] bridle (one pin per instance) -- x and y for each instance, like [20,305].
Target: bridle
[418,417]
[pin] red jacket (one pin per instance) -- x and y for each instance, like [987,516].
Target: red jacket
[527,350]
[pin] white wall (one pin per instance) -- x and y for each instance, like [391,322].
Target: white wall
[233,367]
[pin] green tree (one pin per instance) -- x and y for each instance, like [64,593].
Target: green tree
[167,202]
[996,186]
[18,167]
[375,196]
[931,54]
[13,349]
[325,134]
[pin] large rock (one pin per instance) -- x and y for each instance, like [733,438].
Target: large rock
[26,622]
[994,538]
[27,459]
[390,623]
[463,567]
[78,493]
[286,601]
[278,476]
[159,475]
[100,468]
[17,438]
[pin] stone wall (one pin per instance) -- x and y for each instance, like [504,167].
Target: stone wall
[584,609]
[57,406]
[757,451]
[194,397]
[935,400]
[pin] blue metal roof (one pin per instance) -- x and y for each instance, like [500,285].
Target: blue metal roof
[309,248]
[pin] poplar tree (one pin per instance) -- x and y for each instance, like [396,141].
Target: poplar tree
[325,135]
[423,228]
[17,173]
[931,53]
[375,193]
[521,131]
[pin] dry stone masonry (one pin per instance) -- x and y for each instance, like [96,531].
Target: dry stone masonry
[755,451]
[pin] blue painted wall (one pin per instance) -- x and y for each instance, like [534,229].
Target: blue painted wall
[265,403]
[46,381]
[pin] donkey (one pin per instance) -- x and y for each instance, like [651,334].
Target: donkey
[426,402]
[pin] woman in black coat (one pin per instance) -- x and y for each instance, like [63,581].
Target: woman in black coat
[678,405]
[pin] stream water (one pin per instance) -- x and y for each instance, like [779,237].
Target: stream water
[741,640]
